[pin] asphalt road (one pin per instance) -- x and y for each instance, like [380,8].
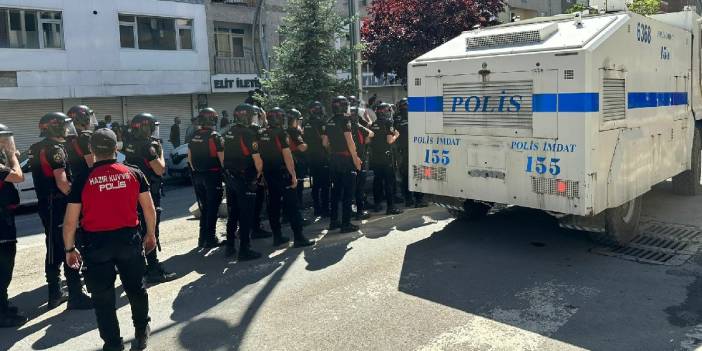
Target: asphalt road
[418,281]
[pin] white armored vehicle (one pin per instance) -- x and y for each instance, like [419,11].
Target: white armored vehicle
[576,115]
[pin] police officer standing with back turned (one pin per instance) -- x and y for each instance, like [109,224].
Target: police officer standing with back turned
[317,158]
[361,135]
[256,126]
[299,149]
[106,199]
[402,126]
[10,173]
[382,162]
[79,157]
[279,171]
[144,151]
[243,169]
[344,164]
[205,156]
[51,175]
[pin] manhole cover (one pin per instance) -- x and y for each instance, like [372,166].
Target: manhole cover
[659,243]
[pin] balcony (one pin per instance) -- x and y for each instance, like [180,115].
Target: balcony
[236,2]
[234,65]
[370,80]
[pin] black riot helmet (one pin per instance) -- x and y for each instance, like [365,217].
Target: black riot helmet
[5,131]
[276,117]
[144,126]
[82,116]
[294,115]
[316,110]
[384,111]
[7,142]
[340,105]
[402,109]
[244,114]
[55,124]
[353,101]
[207,117]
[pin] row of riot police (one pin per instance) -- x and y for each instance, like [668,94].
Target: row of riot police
[62,158]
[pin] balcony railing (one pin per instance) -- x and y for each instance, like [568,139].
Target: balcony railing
[234,65]
[236,2]
[370,80]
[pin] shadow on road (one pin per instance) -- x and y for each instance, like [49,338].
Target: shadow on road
[518,268]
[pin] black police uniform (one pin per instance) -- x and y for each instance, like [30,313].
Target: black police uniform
[240,144]
[139,153]
[45,157]
[343,171]
[300,157]
[318,163]
[360,137]
[109,195]
[207,180]
[77,148]
[9,199]
[411,198]
[260,198]
[382,163]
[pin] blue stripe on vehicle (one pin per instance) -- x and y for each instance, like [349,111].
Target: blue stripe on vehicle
[425,103]
[566,102]
[656,99]
[544,103]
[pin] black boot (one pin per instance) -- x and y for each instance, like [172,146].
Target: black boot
[115,346]
[141,338]
[80,301]
[11,318]
[212,243]
[155,274]
[301,241]
[349,228]
[359,216]
[56,297]
[393,211]
[279,239]
[246,254]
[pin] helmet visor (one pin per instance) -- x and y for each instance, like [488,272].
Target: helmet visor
[93,121]
[7,144]
[71,129]
[157,132]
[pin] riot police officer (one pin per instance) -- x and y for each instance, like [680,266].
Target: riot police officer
[299,149]
[143,150]
[317,158]
[281,178]
[382,162]
[361,135]
[205,155]
[106,199]
[258,232]
[52,175]
[344,164]
[243,169]
[402,126]
[10,173]
[79,157]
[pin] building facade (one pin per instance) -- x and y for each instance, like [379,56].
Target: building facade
[118,57]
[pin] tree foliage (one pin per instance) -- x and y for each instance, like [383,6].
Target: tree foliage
[397,31]
[306,61]
[645,7]
[576,8]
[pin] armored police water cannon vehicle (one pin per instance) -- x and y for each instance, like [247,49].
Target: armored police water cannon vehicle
[577,115]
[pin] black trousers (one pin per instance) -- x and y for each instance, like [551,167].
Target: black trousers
[152,257]
[301,172]
[51,214]
[383,183]
[258,205]
[361,191]
[102,253]
[319,170]
[343,175]
[208,187]
[8,251]
[281,196]
[241,193]
[404,175]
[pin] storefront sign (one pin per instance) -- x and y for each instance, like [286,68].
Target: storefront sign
[234,83]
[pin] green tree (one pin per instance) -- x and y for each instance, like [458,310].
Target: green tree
[576,8]
[645,7]
[306,61]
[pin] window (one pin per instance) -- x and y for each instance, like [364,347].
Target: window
[155,33]
[30,29]
[229,42]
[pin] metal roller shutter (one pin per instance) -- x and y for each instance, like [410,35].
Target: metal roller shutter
[106,106]
[22,116]
[228,102]
[165,108]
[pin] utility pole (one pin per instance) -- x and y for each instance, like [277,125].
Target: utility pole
[355,39]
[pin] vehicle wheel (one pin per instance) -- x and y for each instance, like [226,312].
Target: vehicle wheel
[472,211]
[688,182]
[621,224]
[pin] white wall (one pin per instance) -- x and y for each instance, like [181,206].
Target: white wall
[93,64]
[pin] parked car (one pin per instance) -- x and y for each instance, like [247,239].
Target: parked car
[177,162]
[28,196]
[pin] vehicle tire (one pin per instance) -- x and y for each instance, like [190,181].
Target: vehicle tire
[688,183]
[621,224]
[472,211]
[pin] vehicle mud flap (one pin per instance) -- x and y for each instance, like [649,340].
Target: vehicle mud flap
[469,210]
[591,224]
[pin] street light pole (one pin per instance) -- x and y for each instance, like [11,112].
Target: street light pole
[355,35]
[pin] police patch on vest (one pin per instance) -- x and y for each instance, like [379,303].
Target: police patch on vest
[58,157]
[254,146]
